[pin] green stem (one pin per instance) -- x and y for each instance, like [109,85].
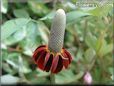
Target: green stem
[52,78]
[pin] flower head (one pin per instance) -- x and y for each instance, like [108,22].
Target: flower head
[53,57]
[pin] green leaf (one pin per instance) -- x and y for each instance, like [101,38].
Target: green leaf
[16,62]
[38,8]
[11,26]
[105,49]
[71,16]
[67,76]
[97,74]
[28,52]
[9,79]
[21,13]
[12,59]
[91,41]
[100,42]
[16,37]
[23,65]
[79,55]
[7,68]
[42,73]
[44,32]
[32,38]
[101,11]
[111,71]
[48,16]
[74,15]
[89,55]
[39,77]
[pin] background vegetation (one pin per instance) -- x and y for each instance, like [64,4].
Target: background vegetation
[88,37]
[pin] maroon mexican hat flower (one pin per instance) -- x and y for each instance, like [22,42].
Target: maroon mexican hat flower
[53,57]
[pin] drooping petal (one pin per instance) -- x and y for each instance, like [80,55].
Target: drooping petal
[65,56]
[38,55]
[41,59]
[38,52]
[65,61]
[46,58]
[58,65]
[42,46]
[68,55]
[48,62]
[54,63]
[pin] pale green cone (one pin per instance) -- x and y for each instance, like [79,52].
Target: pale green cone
[57,31]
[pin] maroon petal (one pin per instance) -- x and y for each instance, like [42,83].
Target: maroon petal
[54,63]
[41,59]
[46,58]
[48,62]
[37,53]
[57,64]
[42,46]
[65,62]
[66,53]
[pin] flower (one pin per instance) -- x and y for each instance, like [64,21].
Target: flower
[47,60]
[53,57]
[87,78]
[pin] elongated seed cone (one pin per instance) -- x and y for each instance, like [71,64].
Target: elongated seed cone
[56,39]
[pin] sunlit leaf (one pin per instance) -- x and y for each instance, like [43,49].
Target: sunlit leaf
[32,38]
[9,79]
[16,37]
[4,6]
[74,15]
[23,66]
[12,59]
[11,26]
[3,46]
[111,72]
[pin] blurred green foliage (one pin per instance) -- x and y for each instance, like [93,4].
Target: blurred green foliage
[88,37]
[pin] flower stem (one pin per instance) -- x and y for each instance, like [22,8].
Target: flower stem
[52,78]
